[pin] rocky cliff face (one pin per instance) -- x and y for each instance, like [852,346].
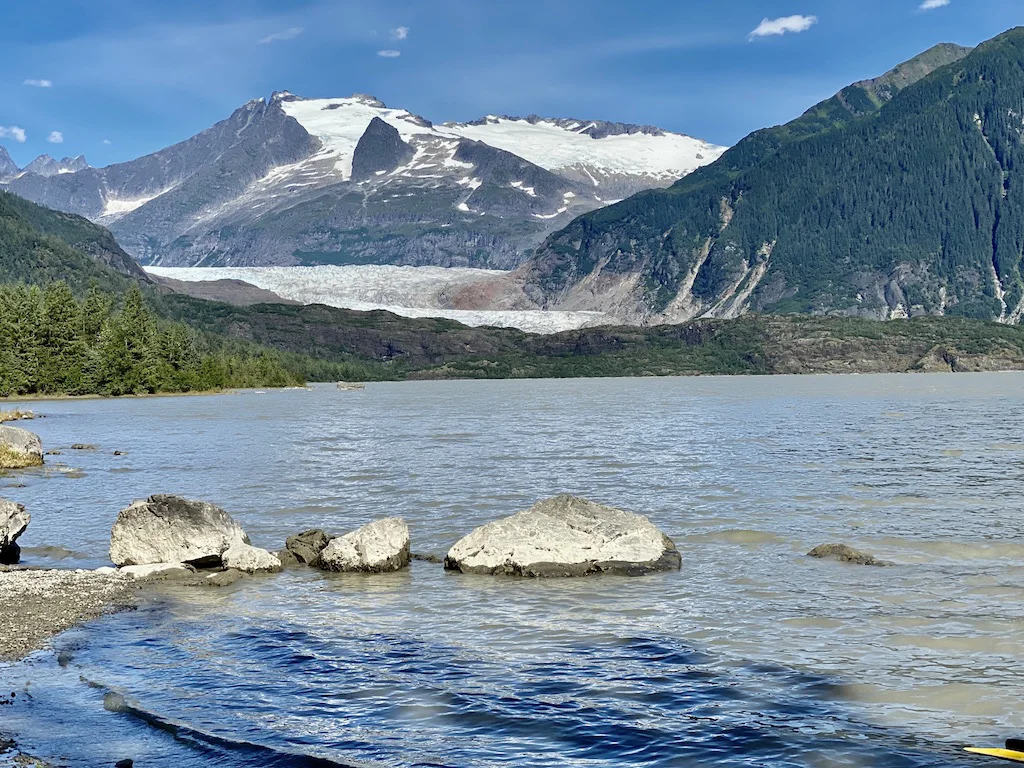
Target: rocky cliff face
[900,196]
[342,181]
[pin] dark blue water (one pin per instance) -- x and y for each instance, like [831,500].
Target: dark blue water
[751,655]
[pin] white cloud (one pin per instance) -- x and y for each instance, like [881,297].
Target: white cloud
[55,137]
[14,132]
[931,5]
[400,33]
[769,27]
[39,83]
[389,54]
[107,141]
[288,34]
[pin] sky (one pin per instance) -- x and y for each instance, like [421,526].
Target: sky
[118,79]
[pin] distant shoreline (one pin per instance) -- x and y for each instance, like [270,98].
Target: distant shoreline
[36,398]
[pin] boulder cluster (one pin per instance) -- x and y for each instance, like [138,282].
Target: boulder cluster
[168,536]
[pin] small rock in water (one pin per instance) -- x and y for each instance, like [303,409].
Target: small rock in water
[83,447]
[158,571]
[54,453]
[120,453]
[244,557]
[126,763]
[223,578]
[307,546]
[13,522]
[844,554]
[170,529]
[566,536]
[378,547]
[287,558]
[428,558]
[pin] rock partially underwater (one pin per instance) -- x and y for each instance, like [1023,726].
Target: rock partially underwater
[170,529]
[566,536]
[379,547]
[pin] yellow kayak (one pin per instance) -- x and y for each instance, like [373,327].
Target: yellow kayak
[1003,754]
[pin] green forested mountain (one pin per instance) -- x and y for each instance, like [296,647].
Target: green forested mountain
[901,195]
[71,324]
[74,319]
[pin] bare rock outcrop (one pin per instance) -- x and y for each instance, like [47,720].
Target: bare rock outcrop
[13,522]
[378,547]
[170,529]
[19,448]
[565,536]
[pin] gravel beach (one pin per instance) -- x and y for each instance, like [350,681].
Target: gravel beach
[35,605]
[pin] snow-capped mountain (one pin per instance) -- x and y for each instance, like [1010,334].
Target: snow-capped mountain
[44,165]
[350,180]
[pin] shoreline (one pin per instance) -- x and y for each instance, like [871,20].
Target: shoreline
[38,398]
[36,605]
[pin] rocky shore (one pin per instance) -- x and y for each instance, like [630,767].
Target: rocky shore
[36,605]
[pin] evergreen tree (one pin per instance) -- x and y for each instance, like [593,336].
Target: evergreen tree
[128,349]
[61,353]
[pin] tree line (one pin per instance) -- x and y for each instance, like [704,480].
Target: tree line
[52,343]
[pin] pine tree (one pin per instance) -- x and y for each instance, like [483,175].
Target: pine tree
[128,355]
[61,349]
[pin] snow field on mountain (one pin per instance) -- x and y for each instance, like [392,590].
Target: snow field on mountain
[551,146]
[405,291]
[339,124]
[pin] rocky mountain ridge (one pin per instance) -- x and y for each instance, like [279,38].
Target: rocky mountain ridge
[347,181]
[44,165]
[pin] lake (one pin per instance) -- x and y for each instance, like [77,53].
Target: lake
[752,654]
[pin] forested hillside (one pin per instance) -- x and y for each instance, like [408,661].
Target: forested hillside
[879,202]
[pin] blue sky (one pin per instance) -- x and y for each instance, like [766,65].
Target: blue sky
[120,78]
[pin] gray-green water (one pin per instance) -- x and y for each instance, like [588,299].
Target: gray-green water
[752,655]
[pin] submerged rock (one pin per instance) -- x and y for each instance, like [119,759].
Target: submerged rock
[13,522]
[844,554]
[157,572]
[243,557]
[436,559]
[565,536]
[223,578]
[378,547]
[19,448]
[83,447]
[307,546]
[170,529]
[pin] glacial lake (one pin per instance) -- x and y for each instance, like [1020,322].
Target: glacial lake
[752,655]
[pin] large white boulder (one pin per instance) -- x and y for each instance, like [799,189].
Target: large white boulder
[13,522]
[565,536]
[19,448]
[170,529]
[378,547]
[242,557]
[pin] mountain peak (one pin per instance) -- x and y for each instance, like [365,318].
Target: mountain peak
[7,166]
[44,165]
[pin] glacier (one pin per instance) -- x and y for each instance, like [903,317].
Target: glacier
[404,291]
